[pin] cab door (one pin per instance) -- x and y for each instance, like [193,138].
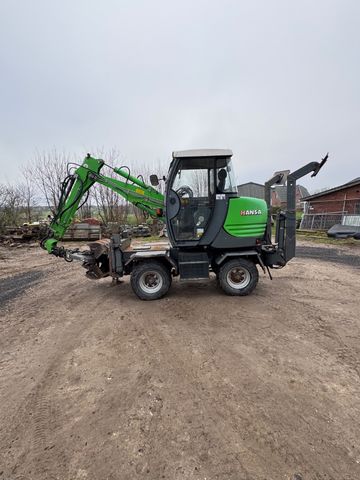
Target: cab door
[189,200]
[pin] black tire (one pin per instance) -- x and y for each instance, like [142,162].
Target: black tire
[238,276]
[150,280]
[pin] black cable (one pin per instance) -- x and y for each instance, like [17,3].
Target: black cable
[129,172]
[109,166]
[86,199]
[63,188]
[72,163]
[64,193]
[79,195]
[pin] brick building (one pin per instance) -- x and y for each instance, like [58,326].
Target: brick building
[278,193]
[279,196]
[344,198]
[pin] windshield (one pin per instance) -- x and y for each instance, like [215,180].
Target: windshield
[195,181]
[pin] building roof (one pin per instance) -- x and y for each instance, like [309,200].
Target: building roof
[203,152]
[355,181]
[251,189]
[303,191]
[251,183]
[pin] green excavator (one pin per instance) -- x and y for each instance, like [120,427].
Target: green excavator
[210,227]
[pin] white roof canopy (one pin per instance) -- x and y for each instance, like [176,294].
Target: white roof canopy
[203,152]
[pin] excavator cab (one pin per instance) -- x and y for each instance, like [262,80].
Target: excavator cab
[196,179]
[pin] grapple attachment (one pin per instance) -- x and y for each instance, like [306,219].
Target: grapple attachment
[97,261]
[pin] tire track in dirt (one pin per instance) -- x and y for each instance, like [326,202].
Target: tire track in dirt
[49,458]
[221,429]
[228,409]
[195,385]
[320,323]
[335,354]
[267,441]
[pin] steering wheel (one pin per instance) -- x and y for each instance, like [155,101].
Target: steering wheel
[185,190]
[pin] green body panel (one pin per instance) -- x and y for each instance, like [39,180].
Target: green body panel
[246,217]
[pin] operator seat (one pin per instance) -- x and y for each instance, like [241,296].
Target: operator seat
[222,174]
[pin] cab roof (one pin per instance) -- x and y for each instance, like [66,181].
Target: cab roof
[203,152]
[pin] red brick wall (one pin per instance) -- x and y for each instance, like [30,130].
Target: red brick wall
[345,199]
[275,200]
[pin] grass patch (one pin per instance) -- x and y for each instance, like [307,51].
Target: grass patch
[321,237]
[153,238]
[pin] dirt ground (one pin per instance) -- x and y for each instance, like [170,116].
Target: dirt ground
[96,384]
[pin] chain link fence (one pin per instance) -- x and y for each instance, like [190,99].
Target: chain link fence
[321,221]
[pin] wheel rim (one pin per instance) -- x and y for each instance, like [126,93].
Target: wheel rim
[238,278]
[151,281]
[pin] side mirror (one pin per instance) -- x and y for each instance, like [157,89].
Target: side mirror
[154,180]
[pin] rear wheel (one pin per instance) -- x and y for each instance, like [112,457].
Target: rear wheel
[238,276]
[150,280]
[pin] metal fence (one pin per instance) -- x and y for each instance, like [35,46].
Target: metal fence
[353,220]
[320,221]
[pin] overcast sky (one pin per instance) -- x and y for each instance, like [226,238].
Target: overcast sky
[278,82]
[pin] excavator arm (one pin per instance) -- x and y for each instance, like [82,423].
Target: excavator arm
[77,185]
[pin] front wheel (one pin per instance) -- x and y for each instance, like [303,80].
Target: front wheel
[238,276]
[150,280]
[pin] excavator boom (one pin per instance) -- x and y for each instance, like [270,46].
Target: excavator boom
[77,185]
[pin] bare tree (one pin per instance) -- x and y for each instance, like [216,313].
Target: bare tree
[200,183]
[86,209]
[3,202]
[28,195]
[3,196]
[10,205]
[143,170]
[48,170]
[111,206]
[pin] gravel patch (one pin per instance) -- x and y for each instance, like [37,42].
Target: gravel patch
[12,287]
[326,254]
